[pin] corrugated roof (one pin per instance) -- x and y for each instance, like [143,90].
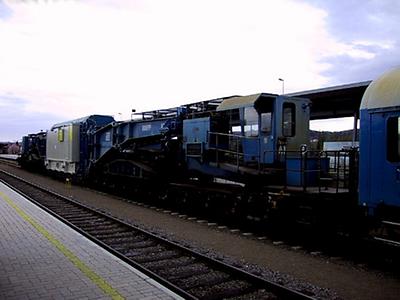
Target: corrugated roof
[237,102]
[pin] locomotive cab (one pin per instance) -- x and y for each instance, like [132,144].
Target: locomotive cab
[268,125]
[249,136]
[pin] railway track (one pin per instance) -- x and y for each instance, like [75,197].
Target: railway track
[188,273]
[9,161]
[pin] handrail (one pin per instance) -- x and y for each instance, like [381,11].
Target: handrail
[233,135]
[340,165]
[337,165]
[237,153]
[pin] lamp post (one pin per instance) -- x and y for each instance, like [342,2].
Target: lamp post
[283,85]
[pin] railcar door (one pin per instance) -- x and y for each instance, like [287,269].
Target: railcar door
[266,110]
[385,159]
[267,138]
[250,142]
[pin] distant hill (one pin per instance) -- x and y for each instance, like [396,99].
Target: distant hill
[318,138]
[332,136]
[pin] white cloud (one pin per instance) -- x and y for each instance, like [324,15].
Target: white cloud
[337,124]
[76,58]
[380,44]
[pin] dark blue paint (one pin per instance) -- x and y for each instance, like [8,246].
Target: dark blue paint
[379,182]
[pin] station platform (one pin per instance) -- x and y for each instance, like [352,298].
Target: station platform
[42,258]
[9,156]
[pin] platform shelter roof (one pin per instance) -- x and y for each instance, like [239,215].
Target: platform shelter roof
[335,101]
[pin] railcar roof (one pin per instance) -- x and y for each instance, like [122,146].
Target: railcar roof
[236,102]
[246,101]
[383,92]
[101,119]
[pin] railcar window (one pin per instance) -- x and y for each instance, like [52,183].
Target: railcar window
[237,130]
[393,139]
[251,122]
[289,119]
[234,116]
[266,123]
[234,122]
[60,135]
[107,137]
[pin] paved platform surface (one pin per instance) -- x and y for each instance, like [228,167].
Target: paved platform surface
[42,258]
[9,156]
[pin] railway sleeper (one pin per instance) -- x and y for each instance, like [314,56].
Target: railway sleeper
[98,232]
[169,263]
[85,220]
[223,290]
[123,240]
[207,279]
[187,271]
[33,192]
[52,200]
[59,204]
[155,256]
[100,226]
[67,210]
[93,222]
[106,236]
[260,294]
[76,216]
[79,210]
[141,246]
[143,249]
[147,245]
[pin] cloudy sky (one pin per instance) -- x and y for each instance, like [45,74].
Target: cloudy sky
[61,60]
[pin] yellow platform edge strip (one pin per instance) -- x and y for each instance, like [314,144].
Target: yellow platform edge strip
[93,276]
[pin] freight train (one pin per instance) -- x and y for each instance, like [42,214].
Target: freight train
[249,155]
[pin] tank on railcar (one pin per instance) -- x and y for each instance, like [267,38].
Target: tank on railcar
[70,145]
[33,151]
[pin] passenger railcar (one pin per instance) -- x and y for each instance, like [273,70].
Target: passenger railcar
[380,147]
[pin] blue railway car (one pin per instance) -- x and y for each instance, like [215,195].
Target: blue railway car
[250,137]
[128,148]
[379,183]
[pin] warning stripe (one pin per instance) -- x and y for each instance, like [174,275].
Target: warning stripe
[92,275]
